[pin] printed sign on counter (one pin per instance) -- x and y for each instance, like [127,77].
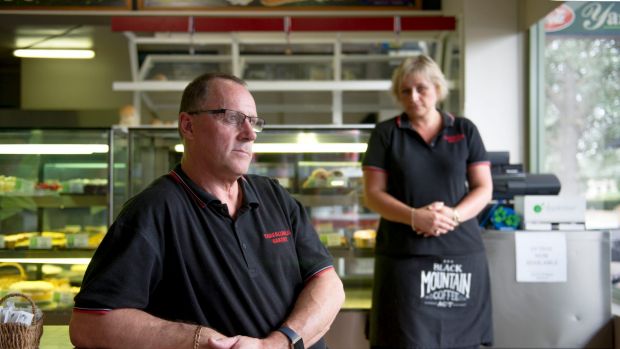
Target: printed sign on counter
[540,257]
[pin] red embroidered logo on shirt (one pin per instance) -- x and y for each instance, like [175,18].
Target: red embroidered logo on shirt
[454,138]
[278,237]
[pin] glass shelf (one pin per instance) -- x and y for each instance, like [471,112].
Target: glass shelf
[52,201]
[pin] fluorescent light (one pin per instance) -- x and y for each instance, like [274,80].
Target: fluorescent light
[27,40]
[307,138]
[47,260]
[282,148]
[309,148]
[329,163]
[81,165]
[53,148]
[54,53]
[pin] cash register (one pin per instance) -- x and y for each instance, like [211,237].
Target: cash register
[510,181]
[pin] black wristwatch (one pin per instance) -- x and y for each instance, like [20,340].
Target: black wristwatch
[293,337]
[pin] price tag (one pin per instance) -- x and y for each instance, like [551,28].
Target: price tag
[77,241]
[333,239]
[40,243]
[64,297]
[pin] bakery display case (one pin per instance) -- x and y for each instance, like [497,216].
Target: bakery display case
[53,212]
[321,168]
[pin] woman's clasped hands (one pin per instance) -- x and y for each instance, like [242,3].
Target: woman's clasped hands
[434,219]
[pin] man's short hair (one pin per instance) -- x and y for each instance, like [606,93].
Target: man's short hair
[195,93]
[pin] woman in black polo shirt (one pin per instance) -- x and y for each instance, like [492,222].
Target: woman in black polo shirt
[427,173]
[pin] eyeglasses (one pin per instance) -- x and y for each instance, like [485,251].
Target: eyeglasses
[233,117]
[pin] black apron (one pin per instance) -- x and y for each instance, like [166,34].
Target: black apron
[431,302]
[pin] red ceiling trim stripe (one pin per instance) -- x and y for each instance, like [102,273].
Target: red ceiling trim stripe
[206,24]
[342,24]
[428,23]
[299,24]
[150,24]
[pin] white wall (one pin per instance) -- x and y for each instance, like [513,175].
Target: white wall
[48,84]
[494,74]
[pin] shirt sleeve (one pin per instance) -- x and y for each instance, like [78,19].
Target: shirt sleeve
[312,256]
[477,151]
[123,272]
[376,151]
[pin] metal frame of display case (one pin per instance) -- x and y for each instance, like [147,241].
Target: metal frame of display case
[126,132]
[352,262]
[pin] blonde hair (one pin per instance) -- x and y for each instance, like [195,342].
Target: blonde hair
[421,64]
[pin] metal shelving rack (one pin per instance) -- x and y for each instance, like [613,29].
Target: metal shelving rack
[236,52]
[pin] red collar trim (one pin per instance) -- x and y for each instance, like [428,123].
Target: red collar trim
[175,176]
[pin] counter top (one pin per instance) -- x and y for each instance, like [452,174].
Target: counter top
[357,298]
[55,337]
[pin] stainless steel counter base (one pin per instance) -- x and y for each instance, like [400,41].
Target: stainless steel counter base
[571,314]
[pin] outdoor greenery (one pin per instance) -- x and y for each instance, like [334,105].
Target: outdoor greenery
[582,117]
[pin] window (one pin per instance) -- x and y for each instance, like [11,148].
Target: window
[579,125]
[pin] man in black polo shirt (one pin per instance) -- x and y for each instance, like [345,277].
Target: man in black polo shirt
[207,256]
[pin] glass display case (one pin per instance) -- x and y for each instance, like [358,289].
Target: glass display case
[321,168]
[53,211]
